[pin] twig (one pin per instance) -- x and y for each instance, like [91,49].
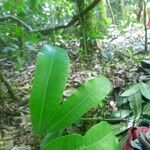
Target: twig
[20,22]
[105,119]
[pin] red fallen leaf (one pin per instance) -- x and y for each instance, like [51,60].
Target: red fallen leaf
[133,134]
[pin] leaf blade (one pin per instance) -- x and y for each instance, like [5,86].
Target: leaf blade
[135,102]
[98,137]
[51,73]
[145,90]
[86,97]
[132,90]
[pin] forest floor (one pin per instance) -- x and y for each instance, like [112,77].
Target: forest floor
[119,59]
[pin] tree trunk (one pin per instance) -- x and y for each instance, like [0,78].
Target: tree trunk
[145,25]
[91,25]
[140,10]
[111,12]
[122,8]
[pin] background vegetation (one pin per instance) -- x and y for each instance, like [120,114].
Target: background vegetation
[87,30]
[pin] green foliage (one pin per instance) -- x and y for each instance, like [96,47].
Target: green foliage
[132,90]
[98,137]
[146,110]
[143,88]
[50,78]
[130,10]
[135,101]
[121,113]
[37,14]
[129,14]
[52,71]
[50,116]
[135,96]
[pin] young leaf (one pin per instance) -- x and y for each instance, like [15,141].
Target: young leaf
[145,89]
[51,73]
[136,104]
[122,113]
[83,99]
[146,109]
[99,137]
[132,90]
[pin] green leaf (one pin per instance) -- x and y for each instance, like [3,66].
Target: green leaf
[99,137]
[123,126]
[121,113]
[51,73]
[51,136]
[122,100]
[136,104]
[69,142]
[83,99]
[145,89]
[146,109]
[132,90]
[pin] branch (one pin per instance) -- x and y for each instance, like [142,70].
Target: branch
[72,21]
[105,119]
[48,30]
[20,22]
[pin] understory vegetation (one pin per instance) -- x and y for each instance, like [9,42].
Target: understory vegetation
[74,74]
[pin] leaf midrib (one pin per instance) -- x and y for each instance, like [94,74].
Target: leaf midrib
[43,101]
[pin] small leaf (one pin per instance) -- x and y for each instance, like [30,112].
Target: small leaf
[146,109]
[136,104]
[132,90]
[120,113]
[145,89]
[50,136]
[122,100]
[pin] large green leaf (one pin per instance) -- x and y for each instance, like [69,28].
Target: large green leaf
[51,73]
[83,99]
[99,137]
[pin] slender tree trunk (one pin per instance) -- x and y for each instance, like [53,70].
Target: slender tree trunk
[145,25]
[91,25]
[122,8]
[141,2]
[88,28]
[80,7]
[111,12]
